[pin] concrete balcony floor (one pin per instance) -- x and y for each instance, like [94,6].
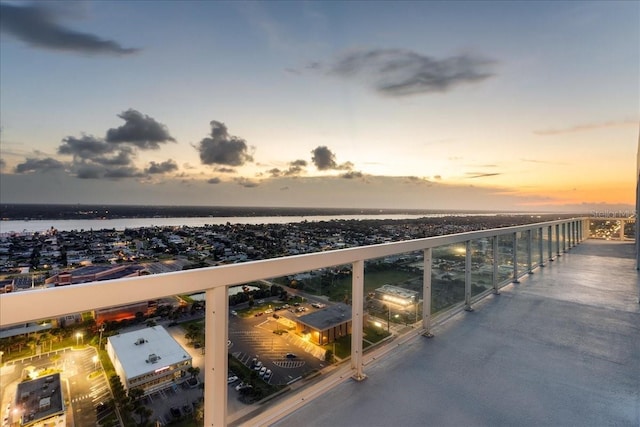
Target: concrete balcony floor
[562,348]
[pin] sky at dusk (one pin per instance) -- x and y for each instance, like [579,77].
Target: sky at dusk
[527,105]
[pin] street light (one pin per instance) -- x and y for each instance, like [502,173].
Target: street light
[1,353]
[78,336]
[95,362]
[101,331]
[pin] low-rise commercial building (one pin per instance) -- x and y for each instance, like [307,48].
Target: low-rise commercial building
[39,403]
[396,297]
[149,359]
[326,325]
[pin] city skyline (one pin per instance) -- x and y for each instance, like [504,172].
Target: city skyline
[423,105]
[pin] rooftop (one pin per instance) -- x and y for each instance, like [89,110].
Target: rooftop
[561,348]
[333,315]
[40,398]
[143,350]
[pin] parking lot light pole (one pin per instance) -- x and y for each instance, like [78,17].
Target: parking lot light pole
[101,331]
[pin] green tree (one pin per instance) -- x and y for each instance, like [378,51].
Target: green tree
[328,356]
[194,371]
[119,394]
[135,394]
[144,413]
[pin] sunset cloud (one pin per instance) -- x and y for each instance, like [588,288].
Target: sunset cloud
[223,149]
[38,26]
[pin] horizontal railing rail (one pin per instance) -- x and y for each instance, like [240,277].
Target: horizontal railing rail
[21,307]
[553,238]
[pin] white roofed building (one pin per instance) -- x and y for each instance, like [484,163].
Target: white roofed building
[149,359]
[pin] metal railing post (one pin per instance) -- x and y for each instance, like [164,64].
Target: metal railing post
[496,283]
[357,322]
[215,357]
[558,240]
[515,258]
[550,242]
[530,251]
[426,292]
[541,246]
[467,276]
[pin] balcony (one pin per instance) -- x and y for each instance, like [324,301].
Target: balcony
[558,347]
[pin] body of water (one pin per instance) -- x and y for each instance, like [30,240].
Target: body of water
[32,226]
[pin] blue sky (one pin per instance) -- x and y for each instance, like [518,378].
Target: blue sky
[460,105]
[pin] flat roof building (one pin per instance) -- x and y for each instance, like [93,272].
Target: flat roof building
[39,402]
[326,325]
[396,296]
[149,359]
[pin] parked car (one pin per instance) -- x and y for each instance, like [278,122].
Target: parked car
[267,375]
[232,379]
[243,386]
[291,356]
[257,366]
[263,370]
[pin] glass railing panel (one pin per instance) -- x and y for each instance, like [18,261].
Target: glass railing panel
[630,229]
[285,330]
[481,265]
[535,247]
[393,293]
[604,229]
[523,252]
[265,333]
[505,258]
[447,276]
[546,238]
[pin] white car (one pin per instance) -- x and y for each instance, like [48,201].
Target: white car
[267,375]
[232,379]
[263,370]
[257,366]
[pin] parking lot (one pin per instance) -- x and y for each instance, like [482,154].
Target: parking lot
[254,337]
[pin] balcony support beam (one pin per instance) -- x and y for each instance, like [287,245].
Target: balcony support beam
[215,358]
[357,321]
[426,293]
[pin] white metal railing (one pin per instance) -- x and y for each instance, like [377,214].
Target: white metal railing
[22,307]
